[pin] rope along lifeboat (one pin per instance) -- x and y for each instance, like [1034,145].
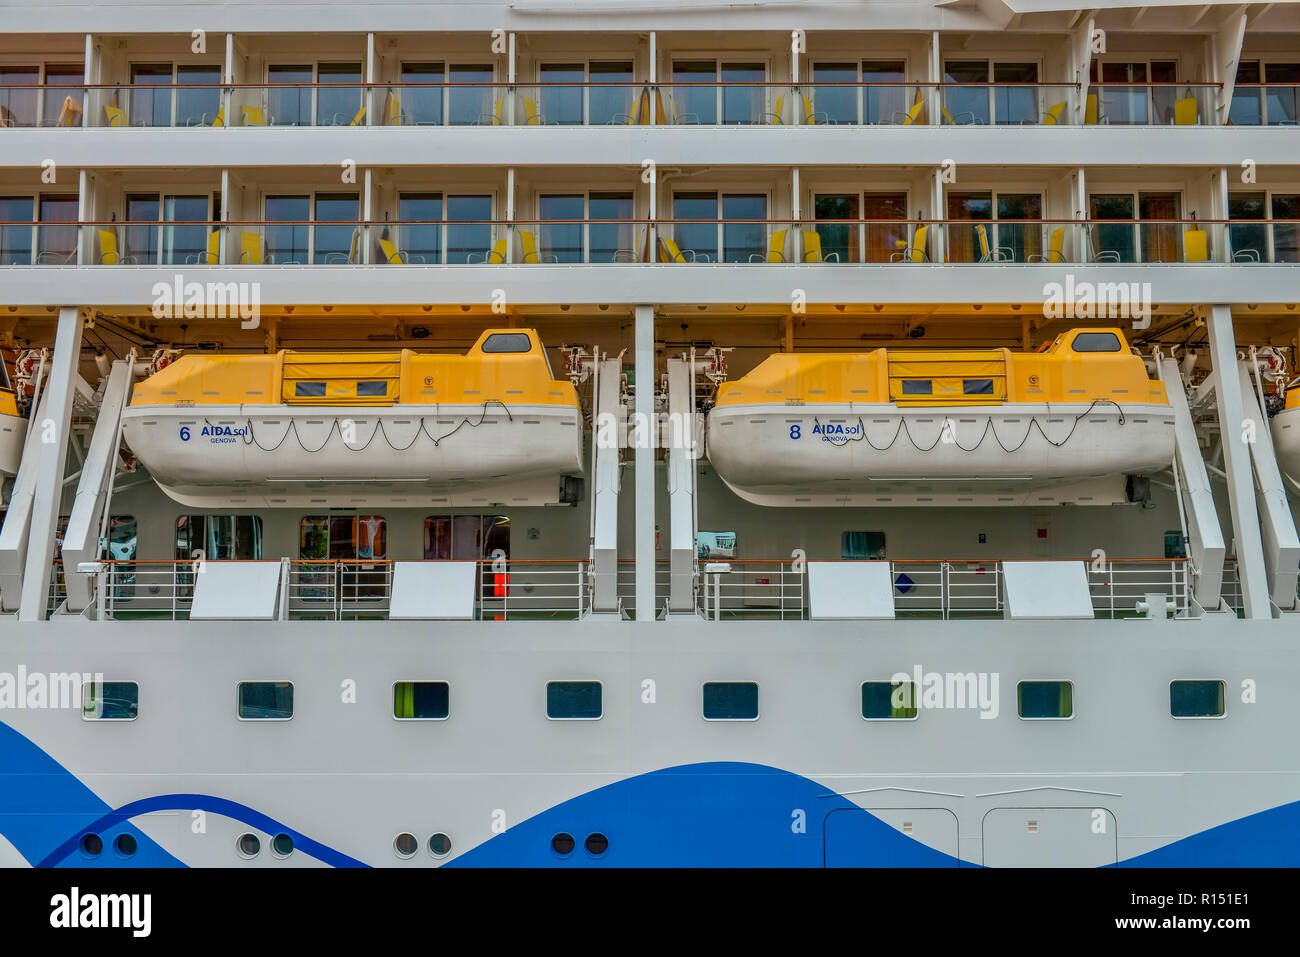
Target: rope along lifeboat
[342,429]
[1080,422]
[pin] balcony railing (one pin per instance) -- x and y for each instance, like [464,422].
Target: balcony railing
[639,103]
[683,242]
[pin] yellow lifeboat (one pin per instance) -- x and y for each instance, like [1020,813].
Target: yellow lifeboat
[13,431]
[300,429]
[944,427]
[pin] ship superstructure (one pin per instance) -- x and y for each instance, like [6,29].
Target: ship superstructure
[649,433]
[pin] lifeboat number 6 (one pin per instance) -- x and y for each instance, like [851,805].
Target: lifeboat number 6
[185,433]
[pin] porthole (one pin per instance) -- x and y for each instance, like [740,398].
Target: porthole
[405,846]
[440,845]
[249,846]
[125,845]
[282,845]
[92,845]
[596,844]
[562,844]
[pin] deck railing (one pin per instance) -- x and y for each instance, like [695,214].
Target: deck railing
[673,242]
[728,589]
[829,98]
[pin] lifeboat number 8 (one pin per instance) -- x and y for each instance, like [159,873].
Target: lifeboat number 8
[794,431]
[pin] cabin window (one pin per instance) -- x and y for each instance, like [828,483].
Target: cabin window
[439,845]
[110,701]
[372,388]
[884,700]
[1096,342]
[309,390]
[1045,699]
[731,701]
[714,545]
[918,387]
[219,537]
[466,537]
[977,386]
[343,538]
[862,546]
[507,342]
[1196,699]
[265,700]
[420,700]
[573,700]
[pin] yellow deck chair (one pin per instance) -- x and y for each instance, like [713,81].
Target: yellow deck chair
[70,113]
[213,256]
[1196,246]
[633,116]
[812,248]
[775,249]
[1055,114]
[528,248]
[809,117]
[392,109]
[532,115]
[914,112]
[220,118]
[250,249]
[116,116]
[1055,248]
[778,111]
[669,251]
[496,255]
[253,115]
[495,115]
[394,255]
[108,254]
[1090,110]
[1185,112]
[361,115]
[915,252]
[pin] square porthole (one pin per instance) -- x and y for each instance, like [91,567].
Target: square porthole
[1045,700]
[1198,698]
[730,701]
[574,700]
[421,700]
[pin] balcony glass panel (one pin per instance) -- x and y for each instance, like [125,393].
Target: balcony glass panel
[1282,103]
[1022,240]
[966,106]
[1286,236]
[740,241]
[58,244]
[198,106]
[418,105]
[1015,105]
[963,240]
[610,104]
[1118,238]
[835,104]
[561,105]
[840,241]
[700,238]
[286,242]
[695,104]
[64,83]
[140,237]
[150,107]
[185,233]
[1247,241]
[16,240]
[289,105]
[561,242]
[882,102]
[1121,105]
[420,233]
[338,105]
[468,239]
[607,239]
[1246,108]
[474,105]
[17,103]
[1161,242]
[743,104]
[337,244]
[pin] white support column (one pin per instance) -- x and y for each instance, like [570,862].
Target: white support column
[511,79]
[15,532]
[1079,199]
[934,74]
[653,96]
[1237,465]
[940,241]
[372,70]
[645,463]
[223,214]
[51,461]
[796,214]
[81,541]
[1219,210]
[1225,54]
[607,420]
[681,486]
[1280,543]
[367,238]
[228,94]
[1081,43]
[90,74]
[85,214]
[1204,534]
[510,213]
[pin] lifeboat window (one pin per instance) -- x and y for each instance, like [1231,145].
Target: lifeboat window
[219,537]
[1045,699]
[467,538]
[1175,544]
[1196,699]
[308,390]
[977,386]
[110,701]
[1096,342]
[573,700]
[343,538]
[730,701]
[265,700]
[918,387]
[885,700]
[508,342]
[420,700]
[372,388]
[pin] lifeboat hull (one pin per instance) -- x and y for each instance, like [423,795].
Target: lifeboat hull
[1012,454]
[281,456]
[13,432]
[1286,443]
